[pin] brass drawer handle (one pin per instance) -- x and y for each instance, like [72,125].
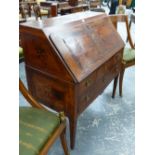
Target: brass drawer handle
[87,83]
[87,98]
[103,79]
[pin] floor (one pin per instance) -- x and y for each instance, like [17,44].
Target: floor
[107,126]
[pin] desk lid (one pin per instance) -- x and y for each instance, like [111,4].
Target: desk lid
[84,45]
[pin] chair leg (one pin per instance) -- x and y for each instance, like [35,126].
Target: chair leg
[115,86]
[121,81]
[64,142]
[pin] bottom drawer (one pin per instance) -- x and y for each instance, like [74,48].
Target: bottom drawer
[85,99]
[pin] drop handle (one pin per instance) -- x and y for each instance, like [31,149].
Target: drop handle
[103,79]
[87,98]
[87,83]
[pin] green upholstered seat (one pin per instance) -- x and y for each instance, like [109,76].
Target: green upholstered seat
[21,55]
[129,54]
[35,127]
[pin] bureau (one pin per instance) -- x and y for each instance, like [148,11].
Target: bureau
[70,60]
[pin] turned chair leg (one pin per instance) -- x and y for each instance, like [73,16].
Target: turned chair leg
[64,142]
[121,81]
[115,86]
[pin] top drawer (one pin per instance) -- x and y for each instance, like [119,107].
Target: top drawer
[87,83]
[110,65]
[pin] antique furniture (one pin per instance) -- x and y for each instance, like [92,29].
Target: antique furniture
[22,20]
[132,19]
[22,11]
[64,7]
[73,9]
[38,127]
[29,4]
[40,12]
[129,52]
[54,6]
[95,5]
[71,59]
[73,2]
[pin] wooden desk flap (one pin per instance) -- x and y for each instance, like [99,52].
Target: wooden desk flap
[86,44]
[59,20]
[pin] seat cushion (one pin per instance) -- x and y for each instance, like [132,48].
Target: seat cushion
[20,52]
[129,54]
[35,127]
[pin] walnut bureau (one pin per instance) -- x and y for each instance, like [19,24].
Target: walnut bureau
[70,60]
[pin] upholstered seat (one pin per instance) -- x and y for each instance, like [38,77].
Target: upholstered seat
[128,55]
[38,127]
[21,54]
[35,128]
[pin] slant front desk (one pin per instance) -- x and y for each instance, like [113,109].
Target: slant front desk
[70,60]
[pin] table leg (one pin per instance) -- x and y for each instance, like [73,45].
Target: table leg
[114,87]
[73,125]
[29,10]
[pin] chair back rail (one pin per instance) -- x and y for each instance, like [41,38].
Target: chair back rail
[28,96]
[123,18]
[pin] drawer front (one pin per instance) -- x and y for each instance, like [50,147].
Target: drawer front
[111,66]
[85,99]
[86,84]
[108,72]
[100,80]
[107,77]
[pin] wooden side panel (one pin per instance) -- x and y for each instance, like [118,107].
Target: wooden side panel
[40,55]
[52,92]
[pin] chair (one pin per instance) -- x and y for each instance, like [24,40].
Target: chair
[95,5]
[40,12]
[22,11]
[38,127]
[128,59]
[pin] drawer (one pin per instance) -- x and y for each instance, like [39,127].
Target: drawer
[85,99]
[113,65]
[87,83]
[107,77]
[116,59]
